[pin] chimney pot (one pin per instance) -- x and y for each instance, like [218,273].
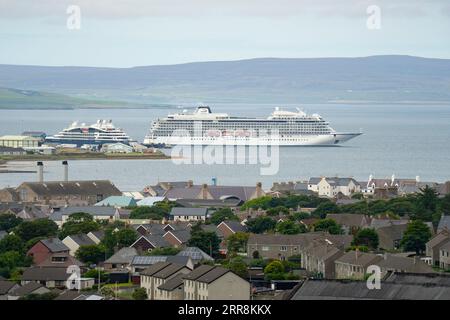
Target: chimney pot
[66,171]
[40,166]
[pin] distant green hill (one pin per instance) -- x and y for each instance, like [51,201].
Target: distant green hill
[31,99]
[376,79]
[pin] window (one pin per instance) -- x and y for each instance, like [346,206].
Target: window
[265,248]
[283,248]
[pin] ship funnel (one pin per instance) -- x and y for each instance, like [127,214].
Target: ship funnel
[40,167]
[66,171]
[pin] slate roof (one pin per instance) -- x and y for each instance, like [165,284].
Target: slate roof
[173,283]
[210,203]
[444,223]
[235,226]
[54,245]
[334,181]
[198,272]
[154,268]
[195,253]
[380,223]
[217,192]
[438,239]
[168,271]
[302,240]
[6,286]
[349,219]
[157,241]
[123,256]
[61,188]
[28,288]
[45,274]
[82,239]
[359,258]
[100,234]
[404,264]
[393,232]
[69,295]
[213,275]
[182,235]
[178,211]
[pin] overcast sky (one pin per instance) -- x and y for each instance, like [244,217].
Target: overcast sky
[121,33]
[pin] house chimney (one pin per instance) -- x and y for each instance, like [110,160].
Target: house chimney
[190,183]
[40,167]
[66,171]
[259,192]
[204,192]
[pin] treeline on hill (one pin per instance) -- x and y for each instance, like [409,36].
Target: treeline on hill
[425,206]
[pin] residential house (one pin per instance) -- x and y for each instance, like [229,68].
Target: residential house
[215,283]
[291,187]
[332,186]
[214,192]
[197,255]
[147,243]
[177,238]
[8,195]
[121,259]
[160,189]
[394,263]
[444,223]
[229,227]
[172,289]
[60,260]
[45,248]
[444,256]
[155,228]
[390,237]
[350,222]
[49,277]
[26,289]
[6,287]
[225,202]
[117,202]
[157,275]
[188,214]
[435,244]
[98,213]
[319,258]
[354,264]
[277,246]
[75,241]
[141,263]
[61,193]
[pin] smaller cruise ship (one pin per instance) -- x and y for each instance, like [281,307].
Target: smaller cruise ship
[99,133]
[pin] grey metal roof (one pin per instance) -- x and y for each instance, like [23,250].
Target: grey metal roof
[195,253]
[54,245]
[178,211]
[123,256]
[357,290]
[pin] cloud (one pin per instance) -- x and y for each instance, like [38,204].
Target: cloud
[127,9]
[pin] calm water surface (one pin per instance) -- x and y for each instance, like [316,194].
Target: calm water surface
[405,140]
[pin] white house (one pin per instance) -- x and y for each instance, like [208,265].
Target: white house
[331,186]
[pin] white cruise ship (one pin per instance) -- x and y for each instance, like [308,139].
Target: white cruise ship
[99,133]
[284,128]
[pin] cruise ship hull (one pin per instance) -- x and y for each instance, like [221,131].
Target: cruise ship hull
[79,143]
[332,139]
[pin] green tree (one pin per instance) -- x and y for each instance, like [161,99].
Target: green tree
[417,234]
[366,237]
[12,243]
[9,221]
[325,208]
[258,203]
[77,223]
[238,266]
[444,205]
[223,214]
[139,294]
[95,273]
[117,239]
[260,224]
[206,241]
[28,230]
[279,210]
[125,237]
[91,254]
[237,242]
[290,227]
[11,260]
[146,212]
[328,225]
[275,266]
